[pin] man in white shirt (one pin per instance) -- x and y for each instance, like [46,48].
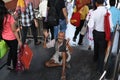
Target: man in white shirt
[97,23]
[43,13]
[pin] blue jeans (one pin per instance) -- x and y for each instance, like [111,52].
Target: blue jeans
[61,27]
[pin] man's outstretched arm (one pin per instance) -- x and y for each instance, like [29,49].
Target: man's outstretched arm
[68,46]
[45,38]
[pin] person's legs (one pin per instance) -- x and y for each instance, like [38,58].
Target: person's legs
[99,39]
[56,29]
[80,39]
[81,36]
[34,33]
[45,26]
[52,32]
[90,43]
[24,33]
[12,55]
[51,63]
[78,30]
[76,33]
[63,26]
[63,76]
[54,61]
[96,46]
[9,58]
[101,54]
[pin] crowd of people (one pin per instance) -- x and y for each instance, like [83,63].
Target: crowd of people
[92,16]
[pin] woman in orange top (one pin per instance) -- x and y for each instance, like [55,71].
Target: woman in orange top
[9,33]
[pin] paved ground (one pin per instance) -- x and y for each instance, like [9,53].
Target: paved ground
[82,66]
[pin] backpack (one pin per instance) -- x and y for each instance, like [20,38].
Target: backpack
[52,17]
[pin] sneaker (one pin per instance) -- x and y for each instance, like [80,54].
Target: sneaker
[89,48]
[10,68]
[80,44]
[74,39]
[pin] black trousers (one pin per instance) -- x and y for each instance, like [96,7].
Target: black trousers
[78,29]
[100,45]
[52,32]
[25,30]
[47,27]
[12,55]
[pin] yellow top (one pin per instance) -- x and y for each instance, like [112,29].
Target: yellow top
[83,12]
[21,5]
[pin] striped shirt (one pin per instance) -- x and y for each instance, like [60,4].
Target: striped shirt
[27,16]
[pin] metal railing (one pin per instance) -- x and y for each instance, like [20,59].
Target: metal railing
[116,58]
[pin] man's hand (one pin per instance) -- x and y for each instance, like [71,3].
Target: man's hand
[36,23]
[69,47]
[46,34]
[73,21]
[67,42]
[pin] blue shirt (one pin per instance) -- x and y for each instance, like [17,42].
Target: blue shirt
[115,15]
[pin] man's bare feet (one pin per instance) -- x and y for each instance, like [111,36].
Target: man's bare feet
[63,77]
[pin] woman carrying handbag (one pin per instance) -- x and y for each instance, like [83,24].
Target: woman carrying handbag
[10,35]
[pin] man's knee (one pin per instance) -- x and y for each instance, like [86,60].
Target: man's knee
[64,55]
[48,63]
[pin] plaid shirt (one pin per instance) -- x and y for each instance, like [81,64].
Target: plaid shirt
[27,16]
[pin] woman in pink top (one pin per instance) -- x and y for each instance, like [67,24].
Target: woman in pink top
[9,33]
